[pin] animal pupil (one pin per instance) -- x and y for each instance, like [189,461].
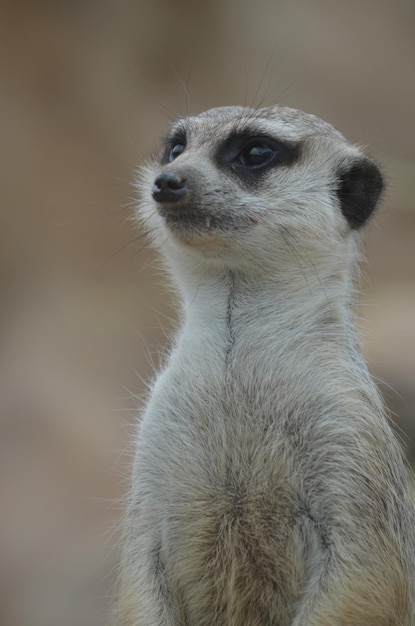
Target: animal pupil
[176,151]
[255,156]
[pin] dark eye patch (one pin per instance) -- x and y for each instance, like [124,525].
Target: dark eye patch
[250,155]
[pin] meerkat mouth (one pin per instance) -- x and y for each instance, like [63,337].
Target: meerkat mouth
[195,222]
[192,222]
[174,217]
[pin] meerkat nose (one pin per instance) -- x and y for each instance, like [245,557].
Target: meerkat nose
[169,187]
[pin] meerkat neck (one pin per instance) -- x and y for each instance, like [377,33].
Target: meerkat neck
[270,312]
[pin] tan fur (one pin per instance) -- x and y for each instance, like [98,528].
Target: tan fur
[268,488]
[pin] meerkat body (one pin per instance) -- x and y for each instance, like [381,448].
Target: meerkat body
[268,488]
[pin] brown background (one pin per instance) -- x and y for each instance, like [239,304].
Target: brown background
[86,90]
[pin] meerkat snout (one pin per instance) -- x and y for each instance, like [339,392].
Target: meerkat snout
[169,187]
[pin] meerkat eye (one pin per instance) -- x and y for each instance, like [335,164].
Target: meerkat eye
[176,151]
[256,155]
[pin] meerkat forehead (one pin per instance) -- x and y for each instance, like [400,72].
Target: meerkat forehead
[286,123]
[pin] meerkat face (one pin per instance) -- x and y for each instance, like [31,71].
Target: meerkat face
[241,180]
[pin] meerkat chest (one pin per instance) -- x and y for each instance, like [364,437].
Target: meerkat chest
[223,500]
[212,436]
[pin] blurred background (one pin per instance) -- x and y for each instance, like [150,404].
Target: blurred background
[87,88]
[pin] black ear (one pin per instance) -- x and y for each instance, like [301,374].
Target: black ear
[359,187]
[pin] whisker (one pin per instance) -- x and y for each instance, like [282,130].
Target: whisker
[183,85]
[261,82]
[277,99]
[161,108]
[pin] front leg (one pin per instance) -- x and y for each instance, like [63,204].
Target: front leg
[352,591]
[143,597]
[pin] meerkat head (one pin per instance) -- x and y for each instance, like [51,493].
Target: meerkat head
[238,185]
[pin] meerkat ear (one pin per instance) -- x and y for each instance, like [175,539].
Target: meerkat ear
[360,184]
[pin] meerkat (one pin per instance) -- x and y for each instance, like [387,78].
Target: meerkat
[268,488]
